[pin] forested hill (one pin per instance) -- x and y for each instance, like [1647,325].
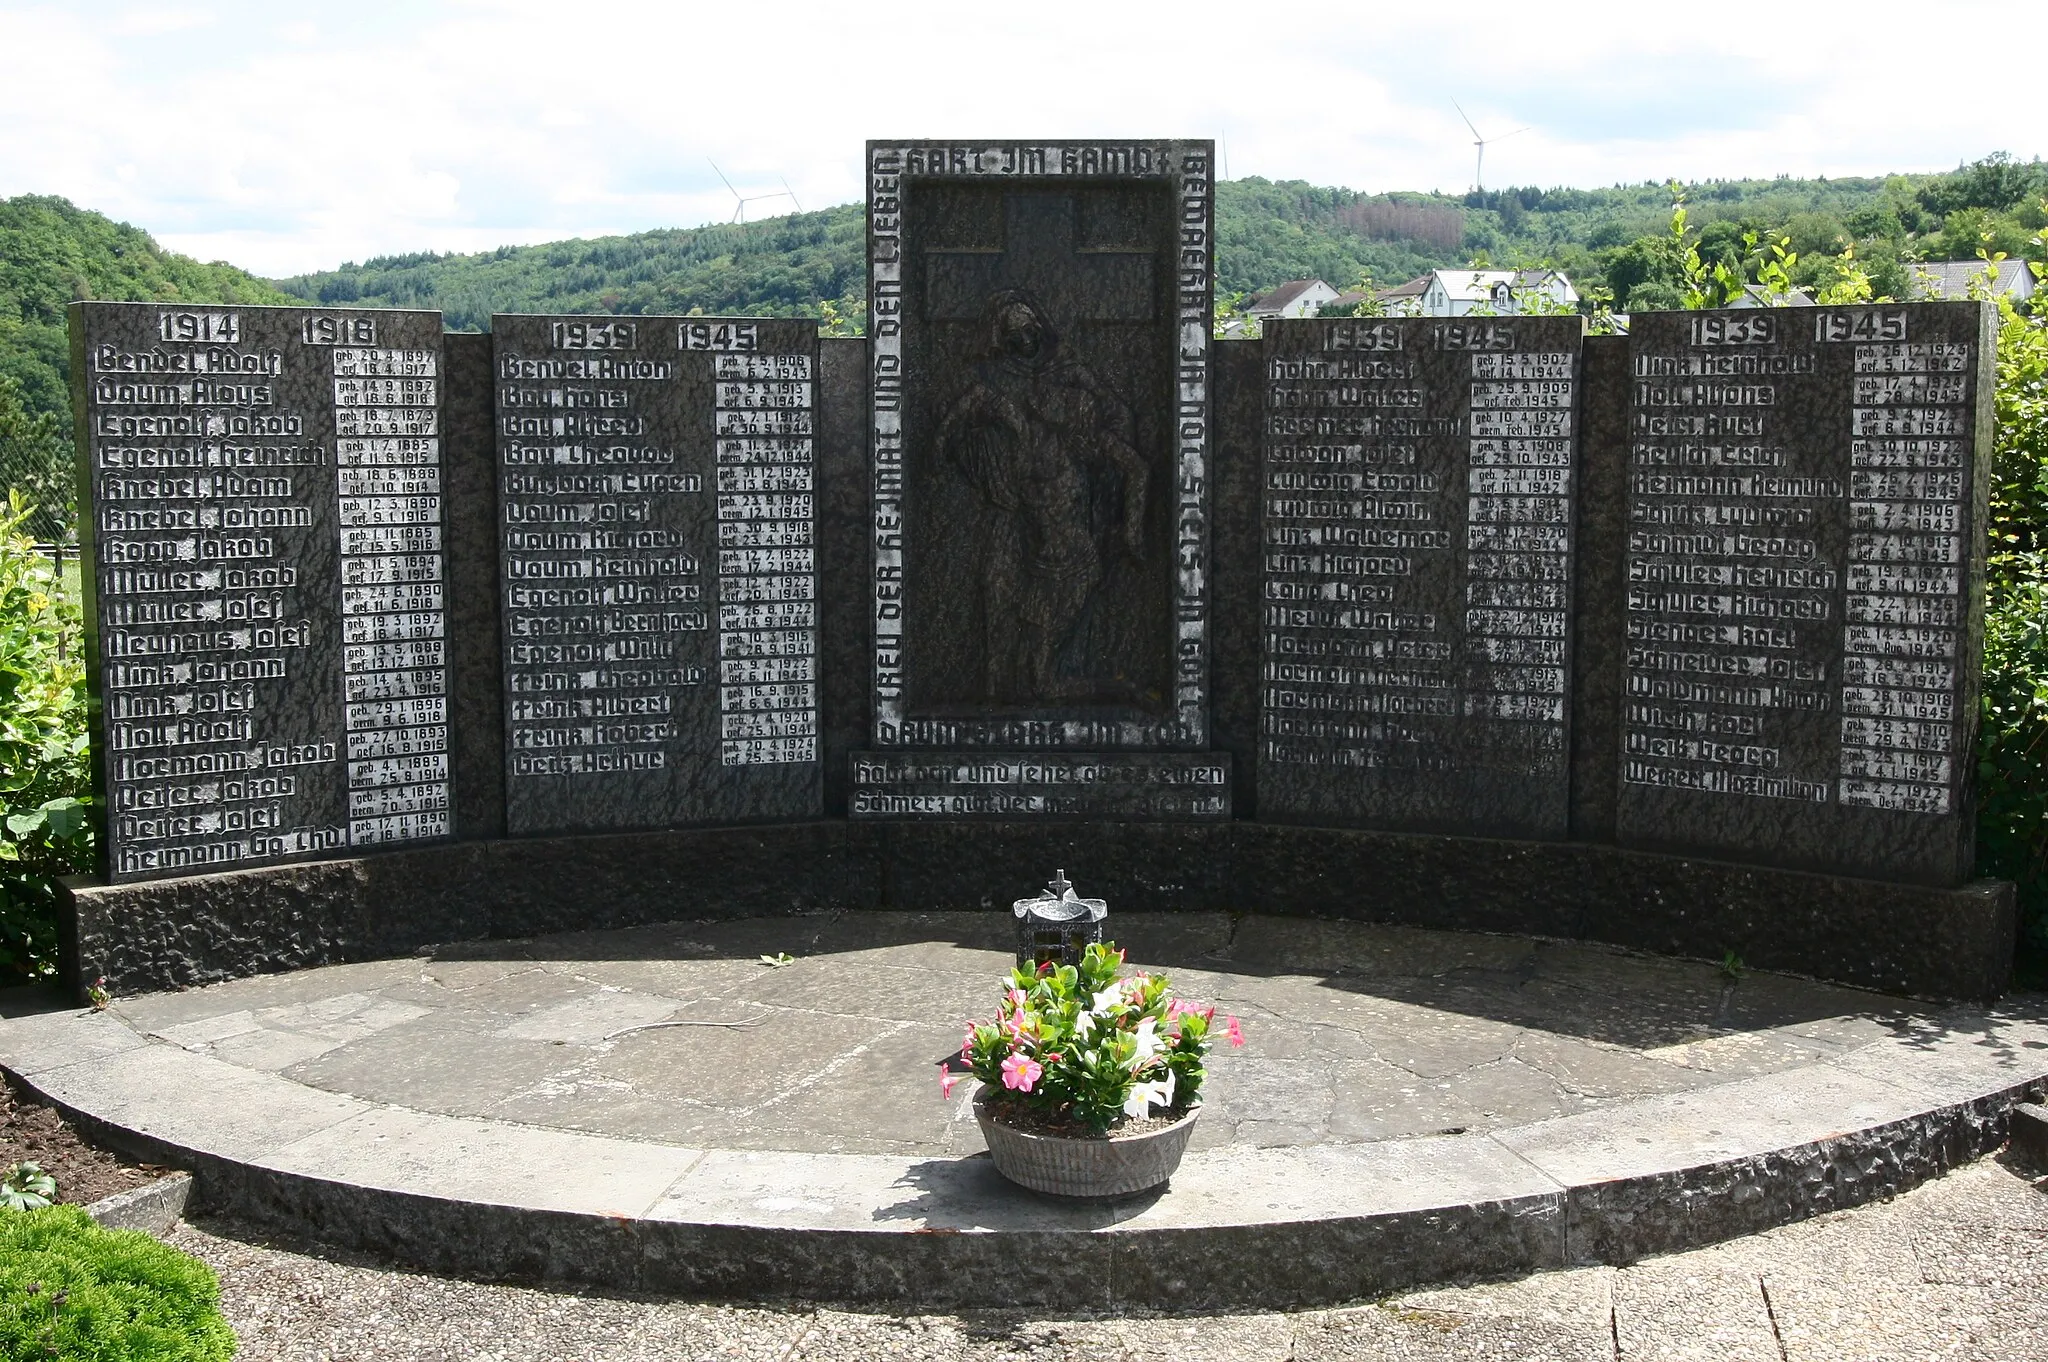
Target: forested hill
[52,254]
[1267,233]
[1617,239]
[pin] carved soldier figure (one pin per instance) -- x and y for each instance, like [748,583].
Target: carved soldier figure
[1052,451]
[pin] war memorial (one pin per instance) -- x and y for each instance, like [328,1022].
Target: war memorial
[1382,650]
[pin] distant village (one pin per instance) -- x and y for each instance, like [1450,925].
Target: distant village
[1504,293]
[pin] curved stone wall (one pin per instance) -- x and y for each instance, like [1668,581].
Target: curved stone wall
[203,929]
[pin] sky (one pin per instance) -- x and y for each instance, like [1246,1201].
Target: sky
[292,137]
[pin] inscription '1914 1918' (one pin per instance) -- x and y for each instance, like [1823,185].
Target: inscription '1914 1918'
[264,539]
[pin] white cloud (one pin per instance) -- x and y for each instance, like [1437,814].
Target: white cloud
[143,23]
[399,127]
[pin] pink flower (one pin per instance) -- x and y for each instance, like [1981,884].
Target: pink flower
[1119,955]
[1020,1072]
[967,1044]
[947,1080]
[1234,1031]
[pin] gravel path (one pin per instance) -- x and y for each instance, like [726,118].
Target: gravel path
[1957,1269]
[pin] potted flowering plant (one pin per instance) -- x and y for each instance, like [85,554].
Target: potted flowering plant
[1091,1081]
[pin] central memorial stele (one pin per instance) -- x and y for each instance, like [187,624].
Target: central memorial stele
[1040,438]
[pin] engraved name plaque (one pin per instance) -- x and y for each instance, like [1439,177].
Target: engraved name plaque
[264,571]
[656,489]
[1419,486]
[1804,584]
[1040,446]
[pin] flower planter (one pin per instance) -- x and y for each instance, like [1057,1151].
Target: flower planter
[1092,1166]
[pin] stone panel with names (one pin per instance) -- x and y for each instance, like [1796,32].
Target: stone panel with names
[657,499]
[1419,484]
[266,574]
[1804,581]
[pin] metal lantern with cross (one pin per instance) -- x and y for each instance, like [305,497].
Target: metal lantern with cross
[1058,925]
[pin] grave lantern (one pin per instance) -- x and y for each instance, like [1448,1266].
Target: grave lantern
[1057,925]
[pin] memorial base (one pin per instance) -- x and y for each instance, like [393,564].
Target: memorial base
[1906,939]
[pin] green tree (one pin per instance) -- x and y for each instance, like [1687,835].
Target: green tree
[2012,745]
[45,772]
[36,461]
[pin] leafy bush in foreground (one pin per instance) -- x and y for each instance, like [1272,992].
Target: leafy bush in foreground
[69,1289]
[2012,733]
[45,763]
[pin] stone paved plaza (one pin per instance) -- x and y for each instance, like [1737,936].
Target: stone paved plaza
[1355,1033]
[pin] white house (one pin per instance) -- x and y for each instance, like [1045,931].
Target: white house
[1457,293]
[1295,298]
[1755,295]
[1953,279]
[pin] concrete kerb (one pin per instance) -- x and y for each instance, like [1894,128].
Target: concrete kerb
[154,1207]
[1237,1227]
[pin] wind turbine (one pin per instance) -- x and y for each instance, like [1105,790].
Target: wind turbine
[739,212]
[1480,141]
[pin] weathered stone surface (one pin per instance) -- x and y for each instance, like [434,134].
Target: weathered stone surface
[1802,615]
[263,544]
[844,529]
[1897,938]
[476,659]
[1419,493]
[1236,559]
[627,1205]
[1135,866]
[2030,1132]
[1040,463]
[152,1208]
[657,497]
[1598,587]
[1092,787]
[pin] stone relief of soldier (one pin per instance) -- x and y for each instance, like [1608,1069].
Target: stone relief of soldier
[1052,453]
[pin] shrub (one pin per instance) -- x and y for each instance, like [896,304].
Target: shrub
[2012,730]
[1092,1046]
[69,1289]
[46,823]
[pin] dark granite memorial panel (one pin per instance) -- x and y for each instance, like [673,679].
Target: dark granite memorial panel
[1803,606]
[1040,392]
[476,659]
[265,581]
[1597,591]
[657,493]
[1419,500]
[843,551]
[1235,560]
[1140,786]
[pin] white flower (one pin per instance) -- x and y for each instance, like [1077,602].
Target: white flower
[1083,1024]
[1112,996]
[1146,1095]
[1148,1038]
